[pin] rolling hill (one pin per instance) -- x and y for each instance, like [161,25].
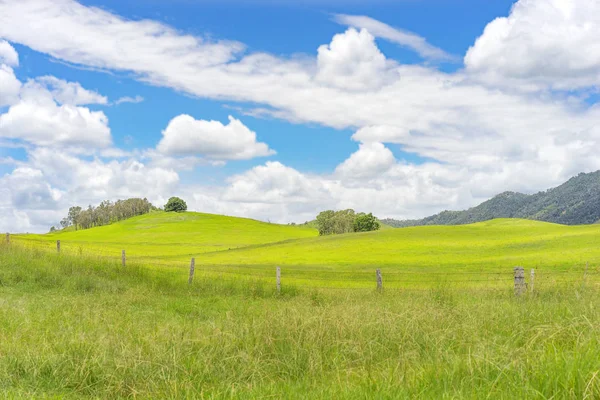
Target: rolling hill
[576,202]
[243,248]
[165,236]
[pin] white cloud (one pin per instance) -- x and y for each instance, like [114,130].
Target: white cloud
[71,93]
[187,136]
[127,99]
[371,159]
[38,193]
[481,139]
[398,36]
[352,61]
[8,54]
[94,37]
[542,43]
[10,86]
[37,119]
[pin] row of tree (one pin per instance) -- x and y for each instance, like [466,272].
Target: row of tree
[106,213]
[345,221]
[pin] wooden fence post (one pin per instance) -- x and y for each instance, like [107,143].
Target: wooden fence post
[278,279]
[58,246]
[192,268]
[379,281]
[531,280]
[123,258]
[7,238]
[519,281]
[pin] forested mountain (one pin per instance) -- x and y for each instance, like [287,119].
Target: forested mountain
[575,202]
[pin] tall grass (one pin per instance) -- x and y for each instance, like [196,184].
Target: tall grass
[82,327]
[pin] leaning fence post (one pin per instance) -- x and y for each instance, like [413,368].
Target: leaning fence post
[58,246]
[379,280]
[123,258]
[519,280]
[192,267]
[278,279]
[7,238]
[531,280]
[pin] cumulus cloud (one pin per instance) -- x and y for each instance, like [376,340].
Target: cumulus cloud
[38,193]
[10,86]
[541,44]
[71,92]
[8,54]
[398,36]
[36,118]
[188,136]
[481,135]
[352,61]
[371,160]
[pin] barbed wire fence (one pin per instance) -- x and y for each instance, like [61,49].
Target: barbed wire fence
[381,279]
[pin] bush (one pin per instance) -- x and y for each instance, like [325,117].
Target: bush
[175,204]
[366,223]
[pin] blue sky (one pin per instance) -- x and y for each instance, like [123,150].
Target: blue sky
[402,108]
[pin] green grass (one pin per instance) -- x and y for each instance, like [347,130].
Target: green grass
[482,254]
[161,235]
[78,327]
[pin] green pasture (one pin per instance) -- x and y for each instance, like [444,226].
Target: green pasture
[481,254]
[85,327]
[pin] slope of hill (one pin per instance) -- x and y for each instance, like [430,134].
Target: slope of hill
[170,235]
[575,202]
[496,245]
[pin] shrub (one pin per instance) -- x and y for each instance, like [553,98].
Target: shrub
[175,204]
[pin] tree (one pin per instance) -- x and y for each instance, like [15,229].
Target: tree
[343,221]
[73,216]
[175,204]
[325,222]
[52,229]
[366,223]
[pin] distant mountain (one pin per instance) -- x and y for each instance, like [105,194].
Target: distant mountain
[575,202]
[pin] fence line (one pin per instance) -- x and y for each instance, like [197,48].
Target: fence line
[295,274]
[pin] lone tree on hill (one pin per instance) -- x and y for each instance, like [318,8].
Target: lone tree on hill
[175,204]
[366,223]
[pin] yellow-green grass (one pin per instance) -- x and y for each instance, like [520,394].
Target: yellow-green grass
[481,254]
[80,327]
[161,235]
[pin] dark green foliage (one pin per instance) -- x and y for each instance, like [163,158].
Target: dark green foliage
[345,221]
[575,202]
[325,222]
[366,223]
[175,204]
[106,213]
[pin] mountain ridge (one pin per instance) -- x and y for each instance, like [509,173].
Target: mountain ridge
[575,202]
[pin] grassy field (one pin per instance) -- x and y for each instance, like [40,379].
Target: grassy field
[170,236]
[78,324]
[481,254]
[73,327]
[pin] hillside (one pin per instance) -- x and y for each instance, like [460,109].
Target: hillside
[496,245]
[250,249]
[576,202]
[170,235]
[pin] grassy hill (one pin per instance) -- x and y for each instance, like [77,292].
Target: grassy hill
[447,325]
[247,249]
[575,202]
[166,236]
[82,327]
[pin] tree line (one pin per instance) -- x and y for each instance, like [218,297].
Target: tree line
[106,213]
[345,221]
